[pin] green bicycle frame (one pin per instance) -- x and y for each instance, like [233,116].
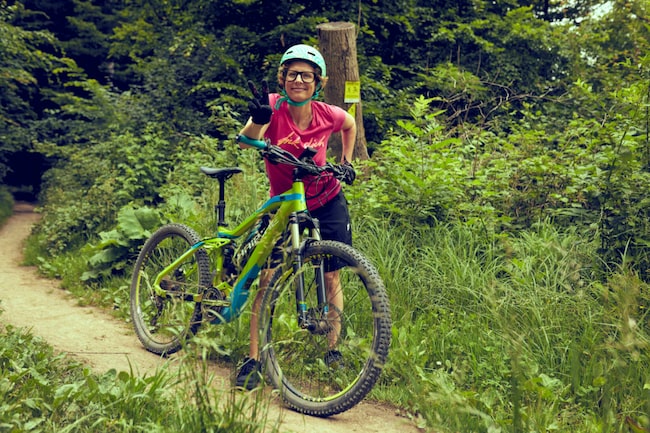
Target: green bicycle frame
[284,205]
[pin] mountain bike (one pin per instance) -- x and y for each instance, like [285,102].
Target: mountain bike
[182,281]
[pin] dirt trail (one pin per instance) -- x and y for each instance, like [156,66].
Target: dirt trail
[94,337]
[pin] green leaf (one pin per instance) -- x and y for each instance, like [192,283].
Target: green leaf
[137,223]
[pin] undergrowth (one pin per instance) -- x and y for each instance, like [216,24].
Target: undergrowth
[44,391]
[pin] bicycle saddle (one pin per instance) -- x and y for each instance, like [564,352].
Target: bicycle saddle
[221,173]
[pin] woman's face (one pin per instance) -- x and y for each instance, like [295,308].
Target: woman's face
[300,81]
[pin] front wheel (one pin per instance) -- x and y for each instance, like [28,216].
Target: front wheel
[166,316]
[330,366]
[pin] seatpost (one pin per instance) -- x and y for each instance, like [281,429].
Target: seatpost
[220,208]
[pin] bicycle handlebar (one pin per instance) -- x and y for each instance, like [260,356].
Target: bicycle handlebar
[277,155]
[259,144]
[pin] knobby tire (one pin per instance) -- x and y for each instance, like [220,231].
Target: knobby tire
[163,324]
[294,358]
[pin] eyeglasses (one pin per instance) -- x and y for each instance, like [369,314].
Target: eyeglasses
[305,76]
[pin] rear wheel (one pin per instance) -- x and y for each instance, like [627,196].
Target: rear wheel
[329,367]
[163,321]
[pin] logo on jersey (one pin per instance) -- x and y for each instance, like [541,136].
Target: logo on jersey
[294,140]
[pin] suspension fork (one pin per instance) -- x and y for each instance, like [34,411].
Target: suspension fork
[306,320]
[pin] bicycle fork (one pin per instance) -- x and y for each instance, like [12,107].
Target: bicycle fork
[311,319]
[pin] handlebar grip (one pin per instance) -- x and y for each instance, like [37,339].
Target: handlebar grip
[260,144]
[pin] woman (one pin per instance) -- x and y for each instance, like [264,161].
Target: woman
[293,120]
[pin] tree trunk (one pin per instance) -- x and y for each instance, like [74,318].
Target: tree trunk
[338,45]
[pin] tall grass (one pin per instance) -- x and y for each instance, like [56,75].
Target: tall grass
[510,333]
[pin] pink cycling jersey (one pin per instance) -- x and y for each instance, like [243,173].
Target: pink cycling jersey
[326,120]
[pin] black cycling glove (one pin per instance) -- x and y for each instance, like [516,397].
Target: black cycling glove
[347,173]
[259,106]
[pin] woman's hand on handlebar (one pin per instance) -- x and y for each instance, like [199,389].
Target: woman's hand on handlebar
[347,173]
[343,172]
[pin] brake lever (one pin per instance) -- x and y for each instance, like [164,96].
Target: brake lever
[269,155]
[277,155]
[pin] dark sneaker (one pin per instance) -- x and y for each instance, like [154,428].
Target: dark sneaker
[334,359]
[250,374]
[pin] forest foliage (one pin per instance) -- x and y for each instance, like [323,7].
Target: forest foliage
[491,115]
[506,112]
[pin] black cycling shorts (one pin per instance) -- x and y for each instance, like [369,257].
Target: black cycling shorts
[334,222]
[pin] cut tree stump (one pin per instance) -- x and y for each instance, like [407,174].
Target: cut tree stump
[338,45]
